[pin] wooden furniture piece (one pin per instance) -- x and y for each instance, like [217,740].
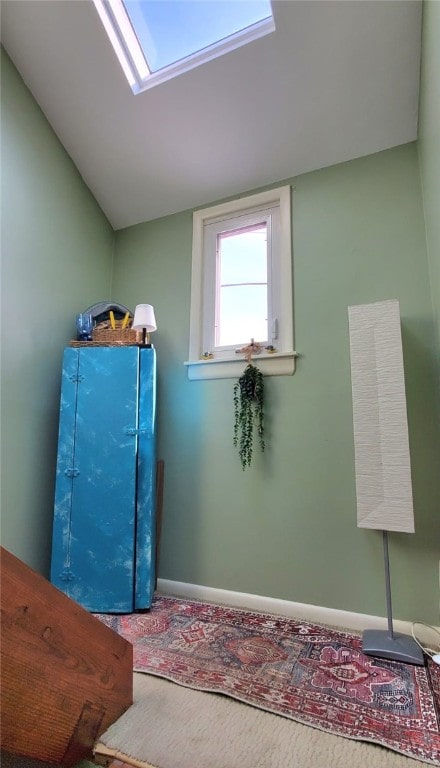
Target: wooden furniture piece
[66,677]
[104,533]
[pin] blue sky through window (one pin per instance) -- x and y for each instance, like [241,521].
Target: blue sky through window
[242,286]
[171,30]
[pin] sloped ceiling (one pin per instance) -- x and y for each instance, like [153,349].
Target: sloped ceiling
[336,80]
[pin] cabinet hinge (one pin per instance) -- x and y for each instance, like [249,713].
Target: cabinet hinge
[71,472]
[76,377]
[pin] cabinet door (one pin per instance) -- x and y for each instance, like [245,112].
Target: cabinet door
[146,490]
[100,554]
[61,536]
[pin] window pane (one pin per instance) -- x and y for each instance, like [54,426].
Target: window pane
[243,255]
[242,315]
[170,30]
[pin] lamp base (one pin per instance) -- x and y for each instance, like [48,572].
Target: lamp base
[378,642]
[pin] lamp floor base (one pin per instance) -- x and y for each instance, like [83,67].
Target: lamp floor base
[377,642]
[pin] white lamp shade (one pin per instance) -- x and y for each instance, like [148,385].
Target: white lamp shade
[144,318]
[382,459]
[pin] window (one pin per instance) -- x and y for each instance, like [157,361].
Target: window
[242,286]
[158,39]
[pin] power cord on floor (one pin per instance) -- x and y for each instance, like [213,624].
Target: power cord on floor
[434,654]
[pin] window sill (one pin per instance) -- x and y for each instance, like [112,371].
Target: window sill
[278,364]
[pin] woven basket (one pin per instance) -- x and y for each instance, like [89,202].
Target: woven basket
[76,343]
[104,333]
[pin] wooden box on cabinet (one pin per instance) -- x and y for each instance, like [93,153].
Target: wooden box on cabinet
[103,549]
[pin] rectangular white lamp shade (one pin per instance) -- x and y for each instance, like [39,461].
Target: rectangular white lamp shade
[382,459]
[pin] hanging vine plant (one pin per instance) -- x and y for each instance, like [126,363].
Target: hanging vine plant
[248,412]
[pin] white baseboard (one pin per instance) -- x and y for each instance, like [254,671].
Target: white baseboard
[314,613]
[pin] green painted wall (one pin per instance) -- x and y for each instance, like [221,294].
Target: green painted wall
[57,254]
[429,143]
[287,527]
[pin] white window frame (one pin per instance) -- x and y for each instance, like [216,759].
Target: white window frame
[211,231]
[227,363]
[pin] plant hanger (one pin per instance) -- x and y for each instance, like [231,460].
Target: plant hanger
[249,406]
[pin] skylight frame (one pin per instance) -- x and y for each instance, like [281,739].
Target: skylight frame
[131,57]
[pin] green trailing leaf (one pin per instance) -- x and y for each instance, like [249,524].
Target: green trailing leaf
[248,412]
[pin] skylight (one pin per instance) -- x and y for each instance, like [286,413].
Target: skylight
[159,39]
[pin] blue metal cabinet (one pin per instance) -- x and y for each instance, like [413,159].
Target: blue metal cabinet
[103,548]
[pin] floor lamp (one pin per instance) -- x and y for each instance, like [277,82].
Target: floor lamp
[382,459]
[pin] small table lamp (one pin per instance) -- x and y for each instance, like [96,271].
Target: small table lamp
[144,321]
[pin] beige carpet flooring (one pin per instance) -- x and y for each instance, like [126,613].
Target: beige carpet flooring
[170,726]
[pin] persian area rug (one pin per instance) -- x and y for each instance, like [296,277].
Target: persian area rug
[311,674]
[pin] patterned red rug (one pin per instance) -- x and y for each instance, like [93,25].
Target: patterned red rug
[311,674]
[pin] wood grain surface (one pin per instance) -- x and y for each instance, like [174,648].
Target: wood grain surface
[65,676]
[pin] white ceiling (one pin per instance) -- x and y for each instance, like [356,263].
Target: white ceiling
[336,81]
